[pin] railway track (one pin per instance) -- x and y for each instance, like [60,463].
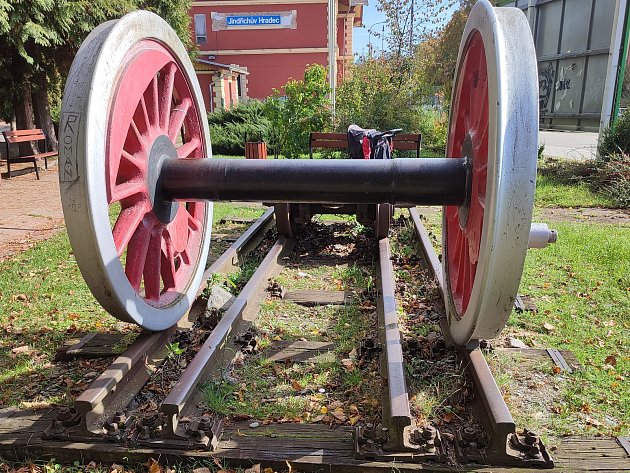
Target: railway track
[113,409]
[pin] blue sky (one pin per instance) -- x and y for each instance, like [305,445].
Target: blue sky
[371,16]
[360,35]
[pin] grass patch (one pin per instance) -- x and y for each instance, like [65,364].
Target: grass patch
[557,192]
[236,209]
[581,286]
[43,301]
[591,183]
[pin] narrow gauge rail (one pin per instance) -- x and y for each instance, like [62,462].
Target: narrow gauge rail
[100,427]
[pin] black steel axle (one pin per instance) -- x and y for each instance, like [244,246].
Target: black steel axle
[429,181]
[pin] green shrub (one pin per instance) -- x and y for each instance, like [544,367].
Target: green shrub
[434,127]
[229,127]
[616,139]
[299,109]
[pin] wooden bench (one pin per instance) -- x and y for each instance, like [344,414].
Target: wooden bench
[408,142]
[23,136]
[328,140]
[402,142]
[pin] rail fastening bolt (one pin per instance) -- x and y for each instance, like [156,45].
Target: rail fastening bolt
[58,427]
[145,433]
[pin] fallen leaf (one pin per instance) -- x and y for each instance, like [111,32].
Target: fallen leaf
[24,349]
[339,415]
[253,469]
[347,363]
[448,417]
[611,360]
[295,385]
[556,370]
[593,422]
[154,466]
[548,327]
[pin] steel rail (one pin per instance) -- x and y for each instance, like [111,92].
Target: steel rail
[119,383]
[427,248]
[396,410]
[237,318]
[506,447]
[114,389]
[249,239]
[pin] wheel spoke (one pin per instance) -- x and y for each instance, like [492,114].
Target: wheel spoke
[145,113]
[126,225]
[177,118]
[167,96]
[193,223]
[137,253]
[134,159]
[152,279]
[187,148]
[168,263]
[141,139]
[127,189]
[156,101]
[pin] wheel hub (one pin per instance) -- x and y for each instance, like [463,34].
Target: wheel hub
[161,150]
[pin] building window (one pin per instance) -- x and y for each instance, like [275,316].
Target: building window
[200,29]
[239,85]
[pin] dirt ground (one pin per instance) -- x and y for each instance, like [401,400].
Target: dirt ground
[30,210]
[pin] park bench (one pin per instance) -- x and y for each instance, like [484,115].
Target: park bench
[408,142]
[329,141]
[339,141]
[23,136]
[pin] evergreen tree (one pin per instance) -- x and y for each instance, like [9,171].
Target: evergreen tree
[39,39]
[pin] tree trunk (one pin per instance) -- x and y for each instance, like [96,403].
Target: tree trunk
[42,110]
[24,120]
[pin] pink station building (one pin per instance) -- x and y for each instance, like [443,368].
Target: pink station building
[249,47]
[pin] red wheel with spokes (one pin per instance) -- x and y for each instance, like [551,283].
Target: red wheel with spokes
[143,106]
[493,123]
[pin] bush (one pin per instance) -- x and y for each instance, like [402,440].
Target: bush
[616,139]
[301,108]
[609,177]
[377,94]
[434,127]
[229,127]
[612,178]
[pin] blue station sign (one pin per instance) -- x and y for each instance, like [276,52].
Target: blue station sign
[253,20]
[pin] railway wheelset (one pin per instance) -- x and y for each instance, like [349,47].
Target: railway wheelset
[136,152]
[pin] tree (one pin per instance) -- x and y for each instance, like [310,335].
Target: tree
[39,39]
[301,108]
[438,54]
[411,21]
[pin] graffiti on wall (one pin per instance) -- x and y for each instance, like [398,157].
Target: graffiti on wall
[546,80]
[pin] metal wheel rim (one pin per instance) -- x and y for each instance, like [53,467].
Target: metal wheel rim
[282,213]
[511,171]
[86,181]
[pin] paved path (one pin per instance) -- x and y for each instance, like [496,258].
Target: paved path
[578,145]
[30,210]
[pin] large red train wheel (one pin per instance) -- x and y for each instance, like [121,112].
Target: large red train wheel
[131,101]
[494,123]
